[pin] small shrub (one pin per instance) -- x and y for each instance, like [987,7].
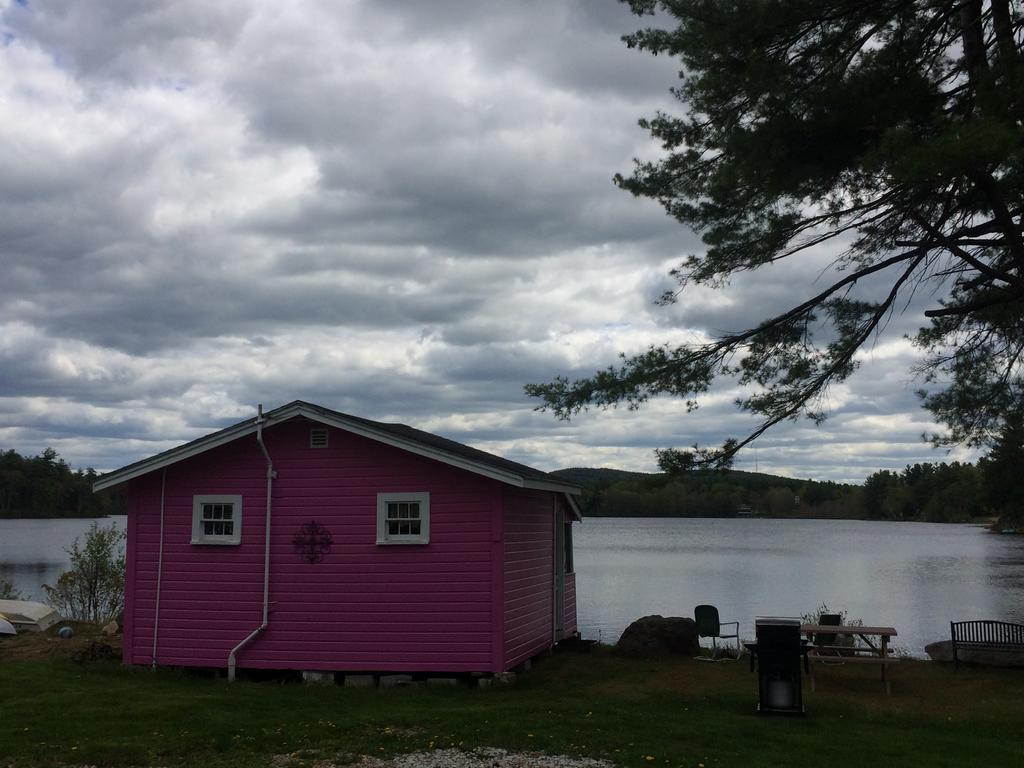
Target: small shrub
[93,590]
[8,592]
[844,618]
[848,640]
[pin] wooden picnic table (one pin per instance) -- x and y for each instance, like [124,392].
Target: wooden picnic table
[870,653]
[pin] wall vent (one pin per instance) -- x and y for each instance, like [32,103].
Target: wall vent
[318,437]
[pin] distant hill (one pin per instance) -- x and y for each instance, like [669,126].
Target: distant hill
[708,493]
[587,476]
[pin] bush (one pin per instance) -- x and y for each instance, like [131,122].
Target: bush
[8,592]
[93,590]
[815,618]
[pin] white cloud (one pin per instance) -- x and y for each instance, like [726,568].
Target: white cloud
[402,210]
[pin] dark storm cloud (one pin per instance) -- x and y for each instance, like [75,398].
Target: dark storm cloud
[574,45]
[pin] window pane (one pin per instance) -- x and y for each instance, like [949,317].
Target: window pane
[229,528]
[414,509]
[414,527]
[217,511]
[403,528]
[218,529]
[392,528]
[207,529]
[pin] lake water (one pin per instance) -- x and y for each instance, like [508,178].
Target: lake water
[32,551]
[916,577]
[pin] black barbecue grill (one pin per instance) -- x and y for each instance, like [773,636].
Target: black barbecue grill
[777,653]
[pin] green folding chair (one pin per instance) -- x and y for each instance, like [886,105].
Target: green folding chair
[709,625]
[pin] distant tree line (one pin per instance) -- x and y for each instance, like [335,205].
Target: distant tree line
[939,492]
[710,493]
[45,486]
[994,487]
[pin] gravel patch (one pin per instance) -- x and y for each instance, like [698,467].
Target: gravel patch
[479,758]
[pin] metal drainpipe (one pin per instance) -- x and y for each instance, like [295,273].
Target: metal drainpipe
[271,474]
[159,565]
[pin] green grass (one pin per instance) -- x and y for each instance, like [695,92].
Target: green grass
[670,712]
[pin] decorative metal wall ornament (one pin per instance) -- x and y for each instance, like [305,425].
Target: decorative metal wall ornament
[312,541]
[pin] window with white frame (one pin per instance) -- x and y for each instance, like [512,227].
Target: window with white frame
[216,519]
[403,518]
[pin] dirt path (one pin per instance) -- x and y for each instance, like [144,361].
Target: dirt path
[86,640]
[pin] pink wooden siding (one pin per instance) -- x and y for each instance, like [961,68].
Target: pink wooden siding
[366,606]
[569,601]
[569,625]
[529,574]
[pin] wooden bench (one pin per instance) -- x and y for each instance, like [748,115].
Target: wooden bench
[985,636]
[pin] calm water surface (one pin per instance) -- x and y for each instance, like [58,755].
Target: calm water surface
[916,577]
[32,551]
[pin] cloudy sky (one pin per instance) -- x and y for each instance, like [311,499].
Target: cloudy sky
[399,209]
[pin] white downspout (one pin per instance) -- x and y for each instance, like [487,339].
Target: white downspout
[159,564]
[271,474]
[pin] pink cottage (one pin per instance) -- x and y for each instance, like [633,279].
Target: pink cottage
[389,549]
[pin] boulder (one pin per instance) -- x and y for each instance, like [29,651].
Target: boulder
[943,651]
[110,628]
[659,634]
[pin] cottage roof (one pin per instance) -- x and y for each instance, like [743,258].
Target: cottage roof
[397,435]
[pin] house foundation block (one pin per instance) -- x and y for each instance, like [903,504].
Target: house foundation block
[393,681]
[442,681]
[320,678]
[359,681]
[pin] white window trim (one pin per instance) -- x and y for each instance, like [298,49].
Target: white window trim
[198,537]
[382,513]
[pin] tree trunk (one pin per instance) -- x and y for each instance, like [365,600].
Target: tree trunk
[972,33]
[1003,24]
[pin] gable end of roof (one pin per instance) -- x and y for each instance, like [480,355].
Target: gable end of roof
[397,435]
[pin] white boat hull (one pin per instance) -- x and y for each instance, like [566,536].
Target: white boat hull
[28,615]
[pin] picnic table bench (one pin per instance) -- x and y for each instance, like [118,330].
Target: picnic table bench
[870,653]
[985,636]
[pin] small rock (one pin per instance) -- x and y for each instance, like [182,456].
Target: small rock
[110,629]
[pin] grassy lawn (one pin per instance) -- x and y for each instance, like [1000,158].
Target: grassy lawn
[669,712]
